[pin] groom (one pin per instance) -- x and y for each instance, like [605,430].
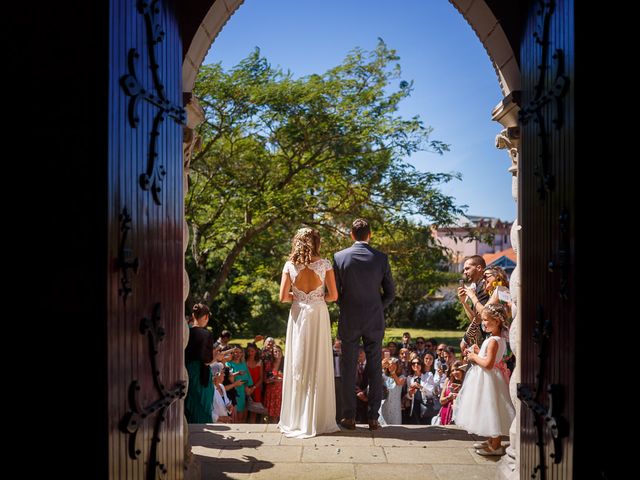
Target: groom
[365,289]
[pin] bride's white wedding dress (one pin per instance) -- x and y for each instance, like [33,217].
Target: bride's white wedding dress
[308,391]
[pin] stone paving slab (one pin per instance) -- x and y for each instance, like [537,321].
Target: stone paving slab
[245,451]
[428,455]
[396,472]
[335,440]
[327,471]
[465,472]
[267,453]
[343,455]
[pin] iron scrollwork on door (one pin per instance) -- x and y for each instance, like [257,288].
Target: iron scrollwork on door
[562,261]
[137,414]
[152,178]
[550,416]
[124,255]
[543,95]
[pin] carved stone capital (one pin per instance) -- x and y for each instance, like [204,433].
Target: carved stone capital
[509,139]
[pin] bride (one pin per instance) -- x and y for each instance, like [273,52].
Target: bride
[308,392]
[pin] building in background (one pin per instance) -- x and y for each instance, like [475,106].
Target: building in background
[475,235]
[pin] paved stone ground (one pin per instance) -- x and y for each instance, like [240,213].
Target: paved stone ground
[403,452]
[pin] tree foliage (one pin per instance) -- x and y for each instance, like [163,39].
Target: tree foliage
[279,152]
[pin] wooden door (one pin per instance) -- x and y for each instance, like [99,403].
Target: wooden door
[548,243]
[145,312]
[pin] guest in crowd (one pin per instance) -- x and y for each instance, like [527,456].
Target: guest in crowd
[420,394]
[337,376]
[390,410]
[225,338]
[473,275]
[254,364]
[241,371]
[222,408]
[273,380]
[450,393]
[197,357]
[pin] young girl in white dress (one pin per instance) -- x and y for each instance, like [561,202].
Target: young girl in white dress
[484,406]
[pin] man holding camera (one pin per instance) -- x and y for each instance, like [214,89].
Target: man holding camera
[472,274]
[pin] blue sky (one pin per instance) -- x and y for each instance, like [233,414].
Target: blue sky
[455,84]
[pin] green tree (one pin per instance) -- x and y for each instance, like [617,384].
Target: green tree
[279,152]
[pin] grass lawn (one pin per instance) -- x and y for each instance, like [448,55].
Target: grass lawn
[450,337]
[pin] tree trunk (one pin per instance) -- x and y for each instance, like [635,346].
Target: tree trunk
[246,237]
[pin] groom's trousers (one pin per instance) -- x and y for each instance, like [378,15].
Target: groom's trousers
[373,370]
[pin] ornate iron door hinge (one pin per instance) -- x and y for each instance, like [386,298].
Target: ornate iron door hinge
[124,261]
[137,414]
[544,95]
[153,177]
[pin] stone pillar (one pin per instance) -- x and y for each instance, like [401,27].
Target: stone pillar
[506,113]
[508,467]
[190,142]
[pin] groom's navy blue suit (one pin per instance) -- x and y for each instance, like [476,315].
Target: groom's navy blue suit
[365,289]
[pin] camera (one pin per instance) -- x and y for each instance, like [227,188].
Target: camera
[444,367]
[417,380]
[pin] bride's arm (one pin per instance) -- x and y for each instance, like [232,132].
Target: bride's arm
[285,288]
[332,290]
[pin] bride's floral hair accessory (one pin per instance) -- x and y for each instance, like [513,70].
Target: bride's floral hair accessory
[304,246]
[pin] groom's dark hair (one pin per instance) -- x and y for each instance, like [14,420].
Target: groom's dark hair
[360,229]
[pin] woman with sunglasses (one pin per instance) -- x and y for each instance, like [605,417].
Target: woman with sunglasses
[497,286]
[420,394]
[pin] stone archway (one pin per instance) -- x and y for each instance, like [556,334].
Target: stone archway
[490,31]
[494,34]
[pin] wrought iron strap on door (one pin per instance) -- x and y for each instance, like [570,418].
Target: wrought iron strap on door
[124,260]
[544,95]
[561,262]
[153,177]
[532,398]
[137,414]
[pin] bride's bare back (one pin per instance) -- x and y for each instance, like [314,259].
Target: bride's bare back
[307,280]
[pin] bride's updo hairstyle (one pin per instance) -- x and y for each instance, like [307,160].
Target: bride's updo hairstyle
[304,246]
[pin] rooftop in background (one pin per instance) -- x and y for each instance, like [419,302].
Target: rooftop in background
[469,236]
[506,259]
[477,221]
[492,258]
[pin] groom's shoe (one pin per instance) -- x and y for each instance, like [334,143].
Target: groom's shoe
[374,425]
[348,423]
